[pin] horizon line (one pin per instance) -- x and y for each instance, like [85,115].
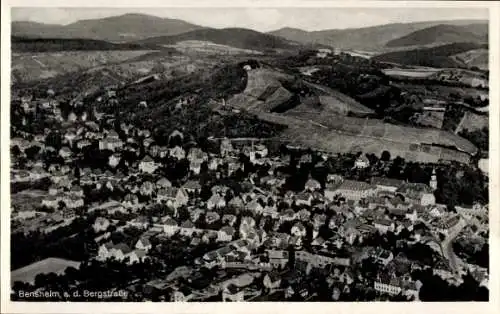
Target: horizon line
[270,31]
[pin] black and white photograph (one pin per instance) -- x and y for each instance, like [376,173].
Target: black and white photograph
[249,154]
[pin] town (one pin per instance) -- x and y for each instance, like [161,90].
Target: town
[99,203]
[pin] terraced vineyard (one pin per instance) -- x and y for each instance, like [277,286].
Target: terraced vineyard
[330,129]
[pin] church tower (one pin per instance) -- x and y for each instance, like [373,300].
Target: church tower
[433,182]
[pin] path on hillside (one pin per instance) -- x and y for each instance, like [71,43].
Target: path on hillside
[459,126]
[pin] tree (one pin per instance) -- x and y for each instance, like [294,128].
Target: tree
[15,151]
[386,156]
[32,151]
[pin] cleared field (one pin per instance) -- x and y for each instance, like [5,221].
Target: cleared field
[472,121]
[209,48]
[334,104]
[410,73]
[432,119]
[29,66]
[475,57]
[46,266]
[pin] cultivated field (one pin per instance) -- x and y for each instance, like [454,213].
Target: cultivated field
[372,128]
[28,66]
[472,121]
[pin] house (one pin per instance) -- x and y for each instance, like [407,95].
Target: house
[211,217]
[195,166]
[236,202]
[176,134]
[361,162]
[73,201]
[120,251]
[383,256]
[110,143]
[174,197]
[69,137]
[105,251]
[226,234]
[76,190]
[334,178]
[100,224]
[143,244]
[214,163]
[83,143]
[272,280]
[147,188]
[147,142]
[278,258]
[386,184]
[163,183]
[170,227]
[50,201]
[384,225]
[229,219]
[226,148]
[65,152]
[114,160]
[394,285]
[303,199]
[216,201]
[130,200]
[417,193]
[136,256]
[254,206]
[192,186]
[312,185]
[147,165]
[298,230]
[141,222]
[187,228]
[319,220]
[355,190]
[447,225]
[177,152]
[196,154]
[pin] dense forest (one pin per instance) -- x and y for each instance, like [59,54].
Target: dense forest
[432,57]
[22,44]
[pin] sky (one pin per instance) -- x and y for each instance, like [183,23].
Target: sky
[260,19]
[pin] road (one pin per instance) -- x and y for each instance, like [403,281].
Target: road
[447,246]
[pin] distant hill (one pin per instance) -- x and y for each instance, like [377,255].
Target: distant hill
[440,56]
[367,38]
[125,27]
[21,44]
[443,34]
[234,37]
